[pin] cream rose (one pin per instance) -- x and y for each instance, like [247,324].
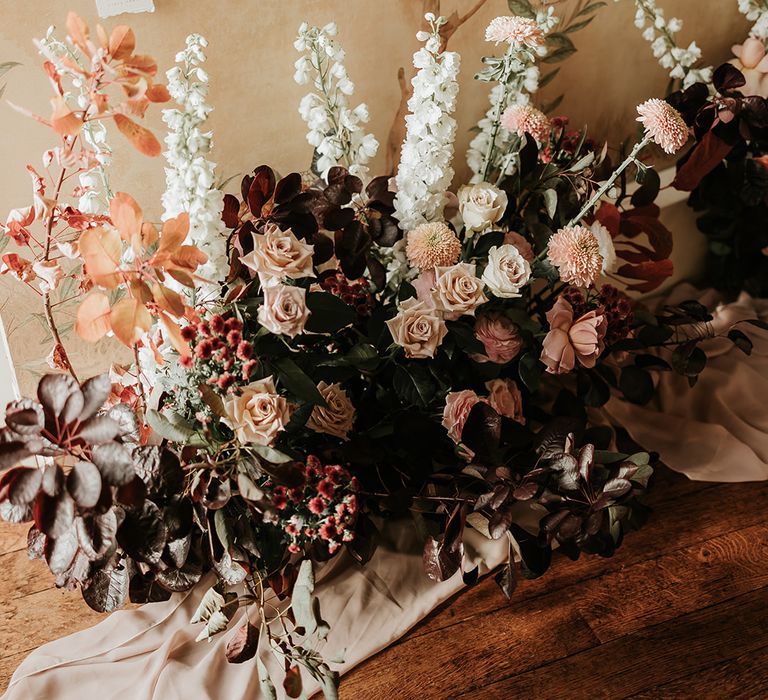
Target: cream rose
[507,271]
[505,398]
[457,291]
[258,413]
[605,244]
[481,206]
[278,254]
[417,328]
[338,414]
[284,310]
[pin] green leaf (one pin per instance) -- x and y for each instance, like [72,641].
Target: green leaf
[547,79]
[550,202]
[296,381]
[328,313]
[740,340]
[530,370]
[301,598]
[636,384]
[270,454]
[522,8]
[362,356]
[582,162]
[558,55]
[593,7]
[413,384]
[171,427]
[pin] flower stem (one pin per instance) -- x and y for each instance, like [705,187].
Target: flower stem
[600,191]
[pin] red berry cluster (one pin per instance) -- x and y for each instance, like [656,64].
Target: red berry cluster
[617,308]
[322,508]
[220,355]
[356,293]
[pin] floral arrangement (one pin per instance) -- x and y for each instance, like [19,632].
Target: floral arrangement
[326,354]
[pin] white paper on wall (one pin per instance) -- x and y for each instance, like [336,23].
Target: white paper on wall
[110,8]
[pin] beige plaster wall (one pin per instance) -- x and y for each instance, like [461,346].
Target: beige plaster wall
[251,66]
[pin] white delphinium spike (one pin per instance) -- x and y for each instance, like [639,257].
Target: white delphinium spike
[190,175]
[517,78]
[425,171]
[660,33]
[756,11]
[335,130]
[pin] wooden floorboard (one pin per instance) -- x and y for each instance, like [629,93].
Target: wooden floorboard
[680,612]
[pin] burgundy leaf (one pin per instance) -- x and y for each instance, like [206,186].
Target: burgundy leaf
[95,392]
[23,484]
[243,645]
[60,552]
[84,484]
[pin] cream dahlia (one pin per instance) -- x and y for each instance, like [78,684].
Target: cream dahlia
[515,30]
[525,119]
[432,245]
[663,124]
[575,251]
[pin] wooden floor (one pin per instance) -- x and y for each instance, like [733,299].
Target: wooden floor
[680,612]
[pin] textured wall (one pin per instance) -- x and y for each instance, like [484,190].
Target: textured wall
[251,66]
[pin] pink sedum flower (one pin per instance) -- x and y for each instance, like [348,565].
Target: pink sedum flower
[458,406]
[569,341]
[575,252]
[500,338]
[526,119]
[663,124]
[515,30]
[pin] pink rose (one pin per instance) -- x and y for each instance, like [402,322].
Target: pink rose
[338,414]
[278,254]
[284,310]
[522,245]
[258,413]
[457,290]
[505,398]
[500,338]
[570,341]
[424,285]
[417,328]
[458,405]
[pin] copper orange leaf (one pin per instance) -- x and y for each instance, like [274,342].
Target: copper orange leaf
[92,322]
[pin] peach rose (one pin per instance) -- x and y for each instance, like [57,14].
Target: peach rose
[458,405]
[505,398]
[507,271]
[277,254]
[500,338]
[284,310]
[258,413]
[457,290]
[338,414]
[417,328]
[752,61]
[570,341]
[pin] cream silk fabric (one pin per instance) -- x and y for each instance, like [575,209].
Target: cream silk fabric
[716,432]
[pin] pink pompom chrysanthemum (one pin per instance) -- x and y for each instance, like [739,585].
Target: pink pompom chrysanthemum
[432,245]
[575,251]
[525,119]
[663,124]
[515,30]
